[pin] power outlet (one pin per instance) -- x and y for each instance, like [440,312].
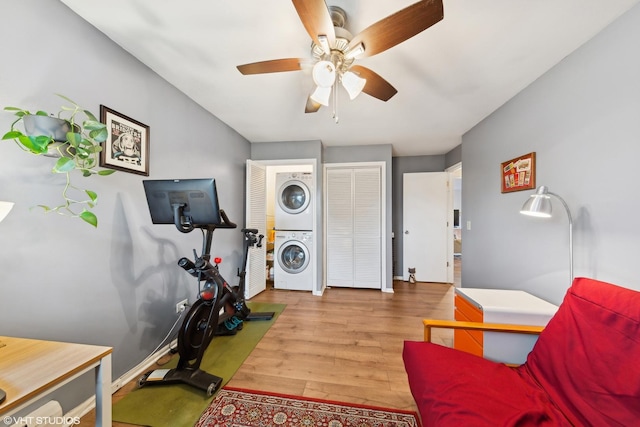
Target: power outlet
[182,306]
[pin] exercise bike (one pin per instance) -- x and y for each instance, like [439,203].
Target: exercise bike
[219,310]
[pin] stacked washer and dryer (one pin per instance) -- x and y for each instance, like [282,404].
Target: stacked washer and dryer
[293,247]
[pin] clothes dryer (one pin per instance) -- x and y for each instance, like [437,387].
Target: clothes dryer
[293,264]
[294,206]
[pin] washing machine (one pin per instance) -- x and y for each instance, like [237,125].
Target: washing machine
[293,263]
[294,206]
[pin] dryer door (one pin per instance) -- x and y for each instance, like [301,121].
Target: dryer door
[293,257]
[294,196]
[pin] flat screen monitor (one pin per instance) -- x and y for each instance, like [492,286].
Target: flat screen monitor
[187,203]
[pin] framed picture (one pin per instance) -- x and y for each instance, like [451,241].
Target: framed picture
[127,146]
[519,173]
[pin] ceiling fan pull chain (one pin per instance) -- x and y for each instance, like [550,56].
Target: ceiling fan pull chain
[335,102]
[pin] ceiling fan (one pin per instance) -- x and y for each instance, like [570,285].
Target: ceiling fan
[335,50]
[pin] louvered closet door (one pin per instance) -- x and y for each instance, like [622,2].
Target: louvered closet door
[256,217]
[339,196]
[353,221]
[367,224]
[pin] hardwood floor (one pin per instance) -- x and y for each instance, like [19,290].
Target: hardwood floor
[345,345]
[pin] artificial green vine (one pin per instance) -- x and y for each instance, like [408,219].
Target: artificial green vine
[81,152]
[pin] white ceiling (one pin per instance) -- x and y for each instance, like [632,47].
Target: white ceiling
[449,77]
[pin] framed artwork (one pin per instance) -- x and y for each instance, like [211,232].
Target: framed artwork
[519,173]
[127,146]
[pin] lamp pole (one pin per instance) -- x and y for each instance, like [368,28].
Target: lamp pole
[566,208]
[539,205]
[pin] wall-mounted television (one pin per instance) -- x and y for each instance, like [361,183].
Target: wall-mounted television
[187,203]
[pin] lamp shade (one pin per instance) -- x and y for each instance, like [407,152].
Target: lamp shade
[324,73]
[5,208]
[353,84]
[321,95]
[539,204]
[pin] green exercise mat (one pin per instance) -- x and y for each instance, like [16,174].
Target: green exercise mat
[178,405]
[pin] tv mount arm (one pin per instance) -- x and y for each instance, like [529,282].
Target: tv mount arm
[183,223]
[202,269]
[226,223]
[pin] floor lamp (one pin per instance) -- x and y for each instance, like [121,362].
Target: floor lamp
[539,205]
[5,207]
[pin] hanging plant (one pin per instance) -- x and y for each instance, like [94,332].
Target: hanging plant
[74,136]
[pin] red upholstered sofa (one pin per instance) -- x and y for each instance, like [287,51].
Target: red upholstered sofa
[584,370]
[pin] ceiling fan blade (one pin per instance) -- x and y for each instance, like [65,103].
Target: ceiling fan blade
[316,20]
[396,28]
[273,66]
[376,86]
[312,106]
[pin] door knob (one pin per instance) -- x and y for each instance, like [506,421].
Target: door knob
[406,232]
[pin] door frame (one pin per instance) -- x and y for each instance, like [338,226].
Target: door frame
[318,286]
[383,217]
[455,171]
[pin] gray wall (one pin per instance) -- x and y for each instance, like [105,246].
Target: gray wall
[287,150]
[582,119]
[453,157]
[116,285]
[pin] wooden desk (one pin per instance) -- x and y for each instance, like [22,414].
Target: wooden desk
[31,369]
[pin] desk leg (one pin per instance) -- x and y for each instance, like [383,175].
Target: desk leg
[103,392]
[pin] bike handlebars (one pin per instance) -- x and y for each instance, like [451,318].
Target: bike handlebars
[203,270]
[226,223]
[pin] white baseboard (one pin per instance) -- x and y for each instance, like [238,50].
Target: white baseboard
[85,407]
[398,278]
[40,417]
[141,367]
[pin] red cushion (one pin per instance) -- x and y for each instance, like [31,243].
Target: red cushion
[453,388]
[588,357]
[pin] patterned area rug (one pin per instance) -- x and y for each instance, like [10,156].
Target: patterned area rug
[248,408]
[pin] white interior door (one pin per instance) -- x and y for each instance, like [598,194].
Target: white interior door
[427,233]
[256,217]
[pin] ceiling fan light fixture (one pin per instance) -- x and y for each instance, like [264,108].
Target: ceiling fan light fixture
[353,84]
[355,52]
[324,74]
[321,95]
[324,43]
